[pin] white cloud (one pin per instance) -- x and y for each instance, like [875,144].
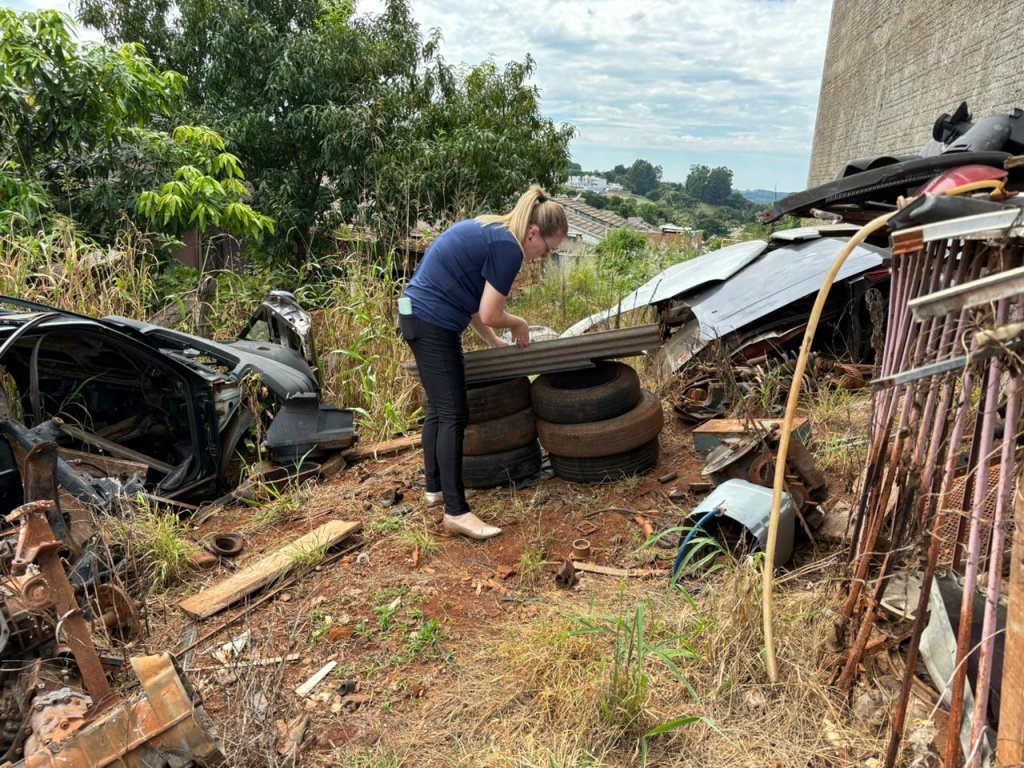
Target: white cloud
[676,82]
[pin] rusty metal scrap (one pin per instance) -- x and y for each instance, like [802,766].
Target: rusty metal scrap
[162,724]
[38,546]
[53,713]
[940,475]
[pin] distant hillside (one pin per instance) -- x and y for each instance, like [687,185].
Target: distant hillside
[762,196]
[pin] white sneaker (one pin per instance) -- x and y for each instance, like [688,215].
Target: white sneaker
[469,525]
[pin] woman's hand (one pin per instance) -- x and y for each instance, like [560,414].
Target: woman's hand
[520,333]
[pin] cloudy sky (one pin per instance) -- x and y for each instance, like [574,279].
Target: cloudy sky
[675,82]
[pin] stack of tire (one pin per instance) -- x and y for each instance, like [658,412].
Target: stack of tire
[597,424]
[500,445]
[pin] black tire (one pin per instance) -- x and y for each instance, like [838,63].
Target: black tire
[497,399]
[507,467]
[594,394]
[606,468]
[498,435]
[602,438]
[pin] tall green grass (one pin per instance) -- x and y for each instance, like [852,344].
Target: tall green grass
[57,267]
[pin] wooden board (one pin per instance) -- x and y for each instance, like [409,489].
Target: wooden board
[382,449]
[741,426]
[605,570]
[275,565]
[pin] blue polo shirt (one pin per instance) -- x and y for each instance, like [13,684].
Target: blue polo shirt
[447,287]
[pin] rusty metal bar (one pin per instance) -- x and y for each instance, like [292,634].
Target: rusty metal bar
[963,645]
[992,288]
[925,417]
[995,568]
[37,544]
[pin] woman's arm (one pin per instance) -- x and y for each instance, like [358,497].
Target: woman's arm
[493,315]
[486,332]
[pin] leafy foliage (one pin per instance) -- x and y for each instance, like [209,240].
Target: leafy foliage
[80,141]
[341,117]
[709,185]
[642,177]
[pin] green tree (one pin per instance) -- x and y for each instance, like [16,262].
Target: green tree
[341,117]
[642,177]
[709,185]
[476,140]
[719,186]
[76,140]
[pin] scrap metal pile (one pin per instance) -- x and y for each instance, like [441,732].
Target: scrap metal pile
[936,514]
[57,705]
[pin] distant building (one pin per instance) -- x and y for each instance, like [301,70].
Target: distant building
[673,233]
[595,184]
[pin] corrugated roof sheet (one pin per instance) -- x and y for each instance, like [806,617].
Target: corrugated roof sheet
[557,355]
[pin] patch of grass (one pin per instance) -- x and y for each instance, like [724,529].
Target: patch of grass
[320,624]
[306,556]
[420,640]
[386,525]
[421,540]
[157,543]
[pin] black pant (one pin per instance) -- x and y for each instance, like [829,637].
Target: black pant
[442,372]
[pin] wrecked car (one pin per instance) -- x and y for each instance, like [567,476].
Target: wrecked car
[177,407]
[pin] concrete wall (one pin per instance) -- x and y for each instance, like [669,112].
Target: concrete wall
[894,66]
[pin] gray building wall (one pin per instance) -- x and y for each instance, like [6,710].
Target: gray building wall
[893,66]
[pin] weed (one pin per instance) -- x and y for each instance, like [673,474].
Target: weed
[306,556]
[156,540]
[386,525]
[386,615]
[423,638]
[320,624]
[421,540]
[624,700]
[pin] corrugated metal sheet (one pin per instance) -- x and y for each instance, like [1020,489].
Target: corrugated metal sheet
[600,216]
[678,279]
[557,355]
[758,292]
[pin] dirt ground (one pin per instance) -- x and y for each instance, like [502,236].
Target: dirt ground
[452,652]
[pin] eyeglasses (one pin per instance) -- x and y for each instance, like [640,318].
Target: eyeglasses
[547,245]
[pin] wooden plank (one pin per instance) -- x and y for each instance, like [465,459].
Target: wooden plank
[307,687]
[605,570]
[275,565]
[741,426]
[387,448]
[1010,739]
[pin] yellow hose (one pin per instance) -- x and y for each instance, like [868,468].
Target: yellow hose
[791,404]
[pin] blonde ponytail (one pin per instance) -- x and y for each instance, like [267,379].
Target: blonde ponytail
[534,207]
